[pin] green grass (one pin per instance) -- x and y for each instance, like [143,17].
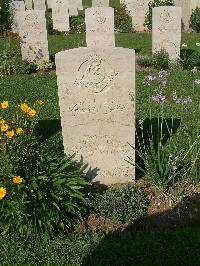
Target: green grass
[151,247]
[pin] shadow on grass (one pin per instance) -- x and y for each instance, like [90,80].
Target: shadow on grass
[162,239]
[152,130]
[48,128]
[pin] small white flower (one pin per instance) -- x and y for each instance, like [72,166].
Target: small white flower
[184,45]
[197,44]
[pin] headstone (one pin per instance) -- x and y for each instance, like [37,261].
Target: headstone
[100,3]
[39,4]
[73,7]
[187,7]
[33,36]
[100,26]
[60,15]
[50,3]
[16,7]
[166,30]
[96,88]
[28,4]
[138,10]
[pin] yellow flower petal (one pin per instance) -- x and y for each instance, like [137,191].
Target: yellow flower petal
[4,105]
[17,180]
[2,192]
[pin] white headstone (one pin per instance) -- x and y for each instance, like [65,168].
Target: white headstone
[28,4]
[73,7]
[33,36]
[96,88]
[39,4]
[50,3]
[166,30]
[16,7]
[138,10]
[100,26]
[60,15]
[100,3]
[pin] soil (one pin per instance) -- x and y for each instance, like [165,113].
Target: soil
[170,208]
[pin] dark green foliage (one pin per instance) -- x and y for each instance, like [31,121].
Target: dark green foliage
[77,23]
[152,4]
[124,204]
[123,20]
[49,200]
[190,59]
[161,60]
[5,16]
[195,20]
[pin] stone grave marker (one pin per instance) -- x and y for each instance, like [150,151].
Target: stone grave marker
[50,3]
[73,7]
[39,4]
[33,36]
[138,10]
[100,3]
[60,15]
[100,26]
[166,30]
[16,7]
[28,4]
[187,7]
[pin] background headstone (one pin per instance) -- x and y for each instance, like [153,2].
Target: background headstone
[16,7]
[166,30]
[100,26]
[50,3]
[96,89]
[138,10]
[100,3]
[28,4]
[60,15]
[73,7]
[33,36]
[187,7]
[39,4]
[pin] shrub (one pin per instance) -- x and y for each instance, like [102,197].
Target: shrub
[45,66]
[152,4]
[144,60]
[195,20]
[161,60]
[123,20]
[5,23]
[39,193]
[77,23]
[190,59]
[124,204]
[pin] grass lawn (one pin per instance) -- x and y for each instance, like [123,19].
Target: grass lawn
[152,247]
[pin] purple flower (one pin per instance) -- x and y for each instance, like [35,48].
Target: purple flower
[162,73]
[159,98]
[197,81]
[172,162]
[164,82]
[150,78]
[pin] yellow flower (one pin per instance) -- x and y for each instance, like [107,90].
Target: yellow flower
[32,113]
[24,107]
[10,134]
[4,127]
[2,192]
[40,102]
[19,131]
[17,179]
[4,104]
[2,121]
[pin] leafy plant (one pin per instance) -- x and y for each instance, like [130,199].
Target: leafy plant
[190,58]
[39,193]
[77,23]
[123,20]
[124,204]
[5,23]
[195,20]
[152,4]
[45,66]
[160,60]
[144,60]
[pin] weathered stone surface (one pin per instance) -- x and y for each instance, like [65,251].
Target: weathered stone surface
[28,4]
[100,3]
[187,7]
[166,30]
[33,36]
[16,7]
[50,3]
[138,10]
[73,7]
[39,4]
[96,89]
[60,15]
[100,26]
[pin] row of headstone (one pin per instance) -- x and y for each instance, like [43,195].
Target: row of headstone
[96,87]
